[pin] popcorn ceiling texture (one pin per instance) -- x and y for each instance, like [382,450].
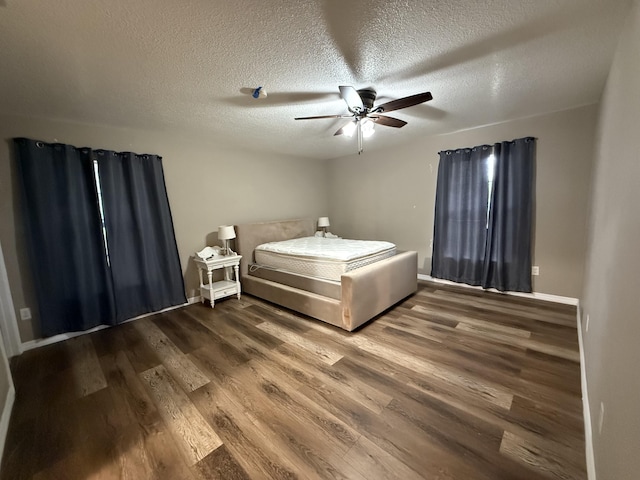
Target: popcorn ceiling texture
[190,65]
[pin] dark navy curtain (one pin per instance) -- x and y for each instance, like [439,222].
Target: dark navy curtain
[460,231]
[507,265]
[143,255]
[78,274]
[64,237]
[483,215]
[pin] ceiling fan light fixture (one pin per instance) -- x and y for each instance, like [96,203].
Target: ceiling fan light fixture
[349,129]
[367,128]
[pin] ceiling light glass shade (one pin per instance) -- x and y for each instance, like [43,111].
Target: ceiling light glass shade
[323,222]
[349,129]
[367,128]
[226,232]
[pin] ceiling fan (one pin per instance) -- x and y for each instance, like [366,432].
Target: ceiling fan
[363,114]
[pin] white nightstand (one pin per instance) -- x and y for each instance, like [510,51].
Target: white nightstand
[213,291]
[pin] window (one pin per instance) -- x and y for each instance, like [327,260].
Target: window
[96,178]
[491,172]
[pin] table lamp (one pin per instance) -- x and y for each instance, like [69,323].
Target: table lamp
[226,233]
[323,223]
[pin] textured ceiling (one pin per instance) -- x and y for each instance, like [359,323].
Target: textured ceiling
[189,65]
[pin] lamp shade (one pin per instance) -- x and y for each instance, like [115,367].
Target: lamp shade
[323,222]
[226,232]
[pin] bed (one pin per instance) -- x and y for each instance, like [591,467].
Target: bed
[357,296]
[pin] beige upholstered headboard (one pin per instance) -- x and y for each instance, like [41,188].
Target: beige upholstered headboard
[250,235]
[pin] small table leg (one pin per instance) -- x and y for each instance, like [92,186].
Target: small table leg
[201,284]
[235,269]
[210,277]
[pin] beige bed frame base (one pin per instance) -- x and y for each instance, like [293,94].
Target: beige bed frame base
[366,291]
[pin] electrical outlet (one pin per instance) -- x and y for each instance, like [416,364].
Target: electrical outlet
[535,270]
[586,323]
[25,313]
[601,419]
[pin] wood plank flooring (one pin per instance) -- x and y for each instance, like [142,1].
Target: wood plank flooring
[450,384]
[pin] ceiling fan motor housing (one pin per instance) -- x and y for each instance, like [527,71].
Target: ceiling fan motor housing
[368,96]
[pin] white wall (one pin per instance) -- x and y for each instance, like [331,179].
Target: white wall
[390,194]
[611,298]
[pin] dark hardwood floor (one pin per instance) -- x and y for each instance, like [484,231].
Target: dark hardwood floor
[450,384]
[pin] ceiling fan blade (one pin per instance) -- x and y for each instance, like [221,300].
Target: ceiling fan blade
[404,102]
[387,121]
[322,116]
[351,96]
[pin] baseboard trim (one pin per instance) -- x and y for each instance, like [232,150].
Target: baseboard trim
[6,416]
[41,342]
[192,300]
[546,297]
[586,409]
